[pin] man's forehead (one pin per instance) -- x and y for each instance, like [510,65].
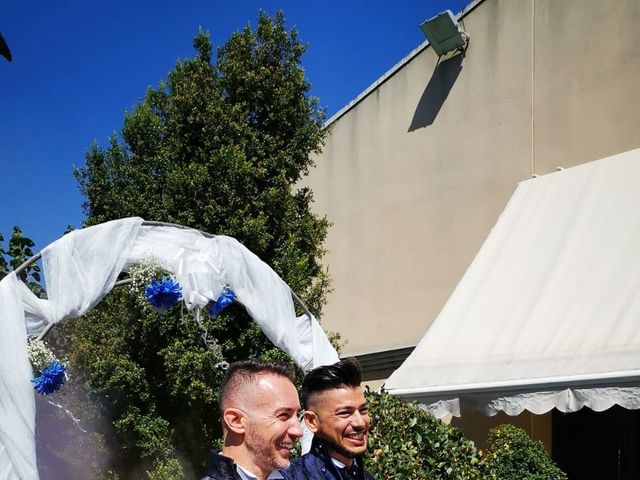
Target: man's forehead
[343,396]
[271,391]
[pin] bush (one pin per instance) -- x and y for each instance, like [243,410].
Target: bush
[406,442]
[512,455]
[166,470]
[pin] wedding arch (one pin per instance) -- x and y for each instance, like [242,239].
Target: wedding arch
[81,267]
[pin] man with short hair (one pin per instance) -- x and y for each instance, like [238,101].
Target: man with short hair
[337,414]
[259,408]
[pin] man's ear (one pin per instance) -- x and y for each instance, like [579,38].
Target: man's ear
[312,420]
[233,418]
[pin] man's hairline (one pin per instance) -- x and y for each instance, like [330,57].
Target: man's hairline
[251,384]
[313,397]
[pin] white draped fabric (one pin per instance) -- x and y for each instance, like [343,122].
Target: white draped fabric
[202,265]
[17,403]
[82,267]
[546,316]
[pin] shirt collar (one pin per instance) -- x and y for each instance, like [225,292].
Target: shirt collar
[321,450]
[339,464]
[247,475]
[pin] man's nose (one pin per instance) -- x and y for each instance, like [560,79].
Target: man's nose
[358,420]
[295,430]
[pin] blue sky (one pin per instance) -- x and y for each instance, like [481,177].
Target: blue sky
[78,66]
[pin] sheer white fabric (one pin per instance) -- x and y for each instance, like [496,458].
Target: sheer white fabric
[82,267]
[547,313]
[17,403]
[203,265]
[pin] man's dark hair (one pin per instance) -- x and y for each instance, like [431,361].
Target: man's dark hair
[245,371]
[343,374]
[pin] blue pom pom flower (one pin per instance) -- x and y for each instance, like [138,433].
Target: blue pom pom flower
[226,298]
[50,380]
[163,295]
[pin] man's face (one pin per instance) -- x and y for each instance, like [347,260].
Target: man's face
[272,425]
[340,417]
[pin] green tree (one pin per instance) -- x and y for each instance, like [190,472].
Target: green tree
[20,249]
[512,455]
[220,146]
[4,266]
[407,443]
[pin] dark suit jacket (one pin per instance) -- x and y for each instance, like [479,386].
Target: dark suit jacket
[317,465]
[220,467]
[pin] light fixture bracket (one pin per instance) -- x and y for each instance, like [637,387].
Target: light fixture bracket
[444,34]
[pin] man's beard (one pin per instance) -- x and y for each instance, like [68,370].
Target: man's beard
[263,452]
[339,449]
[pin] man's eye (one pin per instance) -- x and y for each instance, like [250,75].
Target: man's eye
[284,416]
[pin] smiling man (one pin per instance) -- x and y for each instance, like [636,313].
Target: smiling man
[259,408]
[337,414]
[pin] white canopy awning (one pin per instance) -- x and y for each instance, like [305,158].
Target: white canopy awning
[548,313]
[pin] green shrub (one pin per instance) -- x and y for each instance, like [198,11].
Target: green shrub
[512,455]
[169,469]
[406,442]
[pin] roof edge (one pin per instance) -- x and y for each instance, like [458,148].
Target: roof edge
[513,386]
[393,70]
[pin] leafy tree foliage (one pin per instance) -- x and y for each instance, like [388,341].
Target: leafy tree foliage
[20,250]
[220,146]
[512,455]
[4,267]
[407,443]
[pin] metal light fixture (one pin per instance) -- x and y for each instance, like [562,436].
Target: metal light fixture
[444,33]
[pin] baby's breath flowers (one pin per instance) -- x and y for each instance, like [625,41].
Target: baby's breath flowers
[52,371]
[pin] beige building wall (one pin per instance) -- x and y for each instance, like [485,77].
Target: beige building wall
[416,171]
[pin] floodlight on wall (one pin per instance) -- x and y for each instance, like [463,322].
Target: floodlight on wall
[444,33]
